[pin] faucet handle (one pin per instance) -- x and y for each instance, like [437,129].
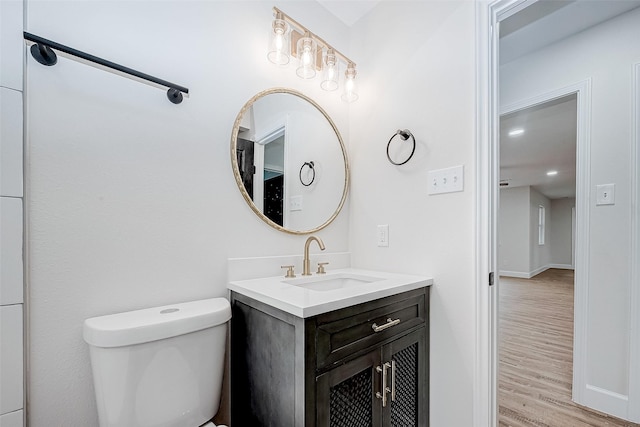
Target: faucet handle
[321,267]
[289,268]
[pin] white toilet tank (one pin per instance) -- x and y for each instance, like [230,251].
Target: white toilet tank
[159,367]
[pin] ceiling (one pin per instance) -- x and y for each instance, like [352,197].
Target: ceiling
[563,17]
[547,22]
[548,143]
[349,11]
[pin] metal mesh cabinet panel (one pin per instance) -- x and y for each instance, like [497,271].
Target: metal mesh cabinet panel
[350,402]
[404,410]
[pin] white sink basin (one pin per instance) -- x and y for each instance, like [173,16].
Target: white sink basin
[331,282]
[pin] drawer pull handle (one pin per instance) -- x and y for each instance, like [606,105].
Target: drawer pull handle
[387,325]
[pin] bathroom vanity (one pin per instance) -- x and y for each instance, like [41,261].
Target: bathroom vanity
[350,348]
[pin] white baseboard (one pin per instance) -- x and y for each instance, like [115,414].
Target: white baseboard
[525,275]
[538,271]
[517,274]
[606,401]
[530,274]
[561,266]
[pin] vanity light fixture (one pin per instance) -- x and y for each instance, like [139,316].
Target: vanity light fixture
[290,38]
[552,173]
[516,132]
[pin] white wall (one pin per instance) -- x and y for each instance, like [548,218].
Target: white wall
[561,231]
[539,255]
[416,71]
[11,215]
[519,251]
[133,202]
[604,55]
[513,228]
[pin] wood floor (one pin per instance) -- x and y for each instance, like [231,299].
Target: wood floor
[536,353]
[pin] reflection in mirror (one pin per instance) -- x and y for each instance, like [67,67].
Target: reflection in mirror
[276,133]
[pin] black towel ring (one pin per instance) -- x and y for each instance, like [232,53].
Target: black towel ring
[313,177]
[404,135]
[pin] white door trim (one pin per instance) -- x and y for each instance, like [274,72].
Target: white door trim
[573,237]
[634,297]
[488,15]
[484,385]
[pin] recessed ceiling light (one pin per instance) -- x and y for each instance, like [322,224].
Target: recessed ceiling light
[552,173]
[516,132]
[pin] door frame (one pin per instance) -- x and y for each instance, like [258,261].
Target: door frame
[634,297]
[488,15]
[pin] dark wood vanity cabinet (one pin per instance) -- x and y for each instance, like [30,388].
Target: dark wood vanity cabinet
[334,369]
[352,394]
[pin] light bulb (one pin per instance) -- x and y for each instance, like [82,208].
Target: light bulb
[306,49]
[279,42]
[350,93]
[329,71]
[306,57]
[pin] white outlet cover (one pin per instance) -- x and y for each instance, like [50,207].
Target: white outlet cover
[383,235]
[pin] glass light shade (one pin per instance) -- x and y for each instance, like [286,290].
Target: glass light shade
[279,42]
[330,71]
[307,50]
[350,93]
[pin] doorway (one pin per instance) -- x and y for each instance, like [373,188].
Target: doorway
[618,393]
[537,196]
[537,187]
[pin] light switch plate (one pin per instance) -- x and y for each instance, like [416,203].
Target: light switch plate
[449,180]
[295,203]
[605,194]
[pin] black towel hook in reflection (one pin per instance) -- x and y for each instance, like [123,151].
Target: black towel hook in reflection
[311,166]
[404,135]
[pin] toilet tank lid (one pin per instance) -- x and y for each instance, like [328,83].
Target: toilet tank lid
[152,324]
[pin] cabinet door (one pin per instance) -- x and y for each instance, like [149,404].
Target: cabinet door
[346,395]
[409,381]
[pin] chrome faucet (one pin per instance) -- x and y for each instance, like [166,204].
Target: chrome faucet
[306,263]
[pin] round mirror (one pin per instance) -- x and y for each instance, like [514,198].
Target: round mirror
[289,161]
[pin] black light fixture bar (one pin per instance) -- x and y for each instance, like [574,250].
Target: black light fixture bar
[42,51]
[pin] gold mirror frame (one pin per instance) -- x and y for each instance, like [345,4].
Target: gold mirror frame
[236,168]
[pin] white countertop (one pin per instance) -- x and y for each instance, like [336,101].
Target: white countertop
[304,302]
